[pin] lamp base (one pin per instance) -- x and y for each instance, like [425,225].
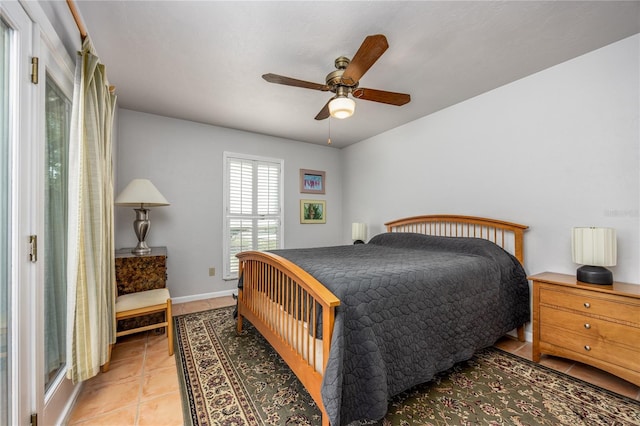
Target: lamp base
[141,225]
[141,248]
[594,275]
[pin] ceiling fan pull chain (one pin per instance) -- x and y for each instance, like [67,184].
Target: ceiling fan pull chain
[329,139]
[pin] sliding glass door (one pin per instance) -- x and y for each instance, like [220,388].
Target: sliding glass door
[34,140]
[55,91]
[17,272]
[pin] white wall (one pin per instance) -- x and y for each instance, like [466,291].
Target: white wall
[184,161]
[554,150]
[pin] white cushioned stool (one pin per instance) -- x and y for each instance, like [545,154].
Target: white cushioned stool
[143,303]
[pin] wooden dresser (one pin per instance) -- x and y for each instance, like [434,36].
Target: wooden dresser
[594,324]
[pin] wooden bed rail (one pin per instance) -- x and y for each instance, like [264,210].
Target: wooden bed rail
[496,231]
[285,303]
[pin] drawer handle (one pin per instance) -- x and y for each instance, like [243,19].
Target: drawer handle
[587,347]
[587,326]
[587,305]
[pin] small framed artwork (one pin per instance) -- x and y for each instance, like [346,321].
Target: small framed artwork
[312,181]
[313,211]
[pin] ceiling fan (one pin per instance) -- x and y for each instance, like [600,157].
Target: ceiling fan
[345,79]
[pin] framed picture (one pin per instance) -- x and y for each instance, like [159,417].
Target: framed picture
[313,211]
[311,181]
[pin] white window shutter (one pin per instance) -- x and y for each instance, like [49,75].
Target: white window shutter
[253,207]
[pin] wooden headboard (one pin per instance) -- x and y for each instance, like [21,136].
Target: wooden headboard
[509,236]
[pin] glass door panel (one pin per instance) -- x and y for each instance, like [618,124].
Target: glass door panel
[58,114]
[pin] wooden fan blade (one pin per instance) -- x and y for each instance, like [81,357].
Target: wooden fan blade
[288,81]
[391,98]
[324,112]
[370,50]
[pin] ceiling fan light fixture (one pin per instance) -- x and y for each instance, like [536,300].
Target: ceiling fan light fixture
[342,107]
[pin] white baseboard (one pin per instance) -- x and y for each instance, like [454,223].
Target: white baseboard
[185,299]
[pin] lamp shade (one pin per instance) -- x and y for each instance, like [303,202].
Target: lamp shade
[594,246]
[342,107]
[141,192]
[358,231]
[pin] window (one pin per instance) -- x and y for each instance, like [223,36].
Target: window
[253,207]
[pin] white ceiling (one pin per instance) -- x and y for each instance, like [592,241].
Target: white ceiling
[203,60]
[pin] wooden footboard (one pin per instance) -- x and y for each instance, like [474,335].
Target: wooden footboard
[285,304]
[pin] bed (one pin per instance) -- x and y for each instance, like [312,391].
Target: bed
[359,324]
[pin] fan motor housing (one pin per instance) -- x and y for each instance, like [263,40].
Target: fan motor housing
[334,78]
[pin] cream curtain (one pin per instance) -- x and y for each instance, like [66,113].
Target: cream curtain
[90,263]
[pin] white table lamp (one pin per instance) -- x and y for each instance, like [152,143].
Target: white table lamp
[141,193]
[358,233]
[594,248]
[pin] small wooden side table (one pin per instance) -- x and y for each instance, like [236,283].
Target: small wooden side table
[594,324]
[136,273]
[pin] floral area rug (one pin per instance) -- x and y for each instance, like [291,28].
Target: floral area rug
[230,379]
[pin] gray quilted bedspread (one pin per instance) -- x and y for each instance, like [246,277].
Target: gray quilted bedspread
[411,306]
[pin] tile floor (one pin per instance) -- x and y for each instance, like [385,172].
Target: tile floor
[141,387]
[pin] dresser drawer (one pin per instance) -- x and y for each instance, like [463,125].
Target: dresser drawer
[592,347]
[591,327]
[598,325]
[592,303]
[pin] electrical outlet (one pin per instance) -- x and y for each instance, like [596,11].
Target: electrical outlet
[212,272]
